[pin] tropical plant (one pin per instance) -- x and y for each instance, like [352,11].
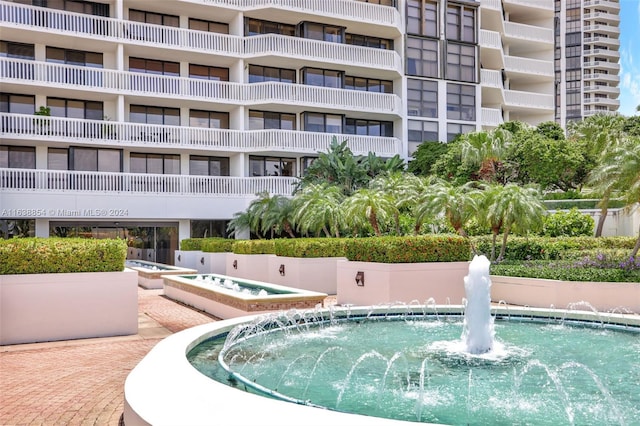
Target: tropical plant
[277,216]
[425,156]
[457,203]
[485,150]
[372,205]
[317,208]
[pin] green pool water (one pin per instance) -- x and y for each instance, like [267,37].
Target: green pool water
[539,373]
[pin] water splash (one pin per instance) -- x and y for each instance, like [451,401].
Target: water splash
[478,323]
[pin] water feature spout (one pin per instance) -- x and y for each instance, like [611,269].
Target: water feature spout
[478,324]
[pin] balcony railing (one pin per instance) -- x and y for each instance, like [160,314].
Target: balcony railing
[528,66]
[492,4]
[100,28]
[123,134]
[537,4]
[528,32]
[490,39]
[608,53]
[491,117]
[601,28]
[124,82]
[602,64]
[604,4]
[517,98]
[602,101]
[491,78]
[38,180]
[601,89]
[342,9]
[611,17]
[609,41]
[602,77]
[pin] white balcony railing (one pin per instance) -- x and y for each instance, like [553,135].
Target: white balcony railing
[601,89]
[40,180]
[602,64]
[124,134]
[491,4]
[611,17]
[528,32]
[124,82]
[491,78]
[609,41]
[342,9]
[601,28]
[492,117]
[490,39]
[602,77]
[602,101]
[602,4]
[517,98]
[607,53]
[536,4]
[528,66]
[100,28]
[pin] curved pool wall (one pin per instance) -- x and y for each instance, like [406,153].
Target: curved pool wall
[165,389]
[150,273]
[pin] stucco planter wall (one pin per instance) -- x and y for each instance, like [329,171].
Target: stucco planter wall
[248,266]
[313,274]
[401,282]
[188,259]
[48,307]
[213,263]
[541,293]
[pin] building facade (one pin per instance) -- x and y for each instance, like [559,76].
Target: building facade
[156,121]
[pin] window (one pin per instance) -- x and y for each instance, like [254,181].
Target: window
[74,57]
[256,27]
[422,98]
[355,126]
[208,119]
[369,41]
[461,23]
[209,228]
[74,108]
[422,57]
[324,32]
[461,62]
[368,84]
[422,17]
[391,3]
[58,159]
[259,74]
[168,164]
[260,120]
[421,131]
[209,26]
[151,66]
[17,157]
[461,102]
[154,18]
[10,49]
[17,104]
[208,166]
[95,159]
[154,115]
[86,7]
[272,166]
[454,129]
[324,78]
[323,123]
[204,72]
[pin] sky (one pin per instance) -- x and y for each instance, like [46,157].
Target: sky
[629,56]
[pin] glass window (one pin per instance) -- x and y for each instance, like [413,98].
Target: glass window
[421,131]
[58,159]
[422,57]
[17,104]
[95,159]
[209,26]
[323,123]
[78,6]
[422,17]
[461,62]
[257,27]
[154,115]
[74,57]
[205,72]
[154,18]
[259,74]
[10,49]
[461,102]
[208,119]
[369,41]
[208,166]
[168,164]
[73,108]
[272,166]
[455,129]
[321,77]
[316,31]
[355,126]
[151,66]
[368,84]
[261,120]
[17,157]
[461,23]
[422,98]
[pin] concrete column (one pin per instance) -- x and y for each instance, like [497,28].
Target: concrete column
[42,228]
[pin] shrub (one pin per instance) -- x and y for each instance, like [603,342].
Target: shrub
[570,223]
[310,247]
[191,244]
[61,255]
[253,247]
[216,245]
[565,271]
[432,248]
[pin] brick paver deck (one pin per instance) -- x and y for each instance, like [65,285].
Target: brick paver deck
[81,382]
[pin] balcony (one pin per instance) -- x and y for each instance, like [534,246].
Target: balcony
[529,67]
[602,29]
[528,33]
[590,112]
[611,54]
[491,78]
[532,6]
[492,5]
[64,181]
[602,101]
[602,77]
[491,117]
[602,4]
[602,65]
[25,72]
[611,18]
[337,9]
[607,41]
[98,29]
[516,99]
[490,40]
[601,89]
[122,135]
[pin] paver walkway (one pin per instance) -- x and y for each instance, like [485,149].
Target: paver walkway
[81,382]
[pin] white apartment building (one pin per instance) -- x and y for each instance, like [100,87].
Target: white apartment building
[157,121]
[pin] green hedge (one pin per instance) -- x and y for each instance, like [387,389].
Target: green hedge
[216,245]
[428,248]
[61,255]
[191,244]
[253,247]
[311,247]
[565,271]
[548,248]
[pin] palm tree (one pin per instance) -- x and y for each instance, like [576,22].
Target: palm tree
[277,216]
[457,203]
[485,150]
[317,208]
[620,171]
[516,207]
[413,194]
[491,214]
[371,204]
[394,184]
